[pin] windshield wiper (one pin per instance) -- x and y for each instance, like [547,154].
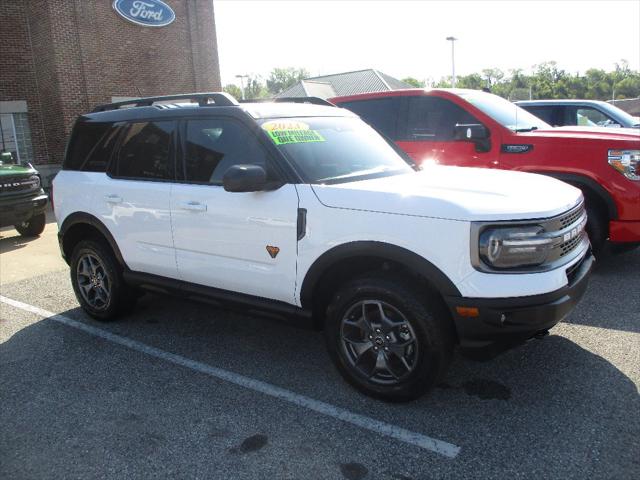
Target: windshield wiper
[529,129]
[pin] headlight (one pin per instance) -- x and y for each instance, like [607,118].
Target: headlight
[514,247]
[35,181]
[627,162]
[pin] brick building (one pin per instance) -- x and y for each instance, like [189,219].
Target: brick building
[59,58]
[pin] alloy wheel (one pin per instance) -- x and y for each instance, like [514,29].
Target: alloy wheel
[93,281]
[379,342]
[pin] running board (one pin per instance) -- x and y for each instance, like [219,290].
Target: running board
[216,296]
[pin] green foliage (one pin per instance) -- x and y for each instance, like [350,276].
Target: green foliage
[282,78]
[549,81]
[233,90]
[414,82]
[254,88]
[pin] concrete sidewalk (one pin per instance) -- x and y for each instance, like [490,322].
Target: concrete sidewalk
[24,257]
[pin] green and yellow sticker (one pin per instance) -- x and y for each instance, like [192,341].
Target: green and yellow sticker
[288,131]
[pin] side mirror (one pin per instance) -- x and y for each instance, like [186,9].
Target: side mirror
[475,133]
[245,178]
[471,132]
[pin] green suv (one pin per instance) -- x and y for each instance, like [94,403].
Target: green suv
[22,199]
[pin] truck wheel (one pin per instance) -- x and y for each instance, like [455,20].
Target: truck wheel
[596,228]
[388,340]
[97,281]
[32,227]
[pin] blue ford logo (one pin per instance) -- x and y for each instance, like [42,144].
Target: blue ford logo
[149,13]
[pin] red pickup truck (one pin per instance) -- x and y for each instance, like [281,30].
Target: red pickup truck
[477,129]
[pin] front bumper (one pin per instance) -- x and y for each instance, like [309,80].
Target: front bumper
[498,323]
[17,210]
[624,231]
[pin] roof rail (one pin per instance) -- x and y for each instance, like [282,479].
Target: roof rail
[220,99]
[312,100]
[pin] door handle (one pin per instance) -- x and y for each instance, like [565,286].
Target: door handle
[113,198]
[194,206]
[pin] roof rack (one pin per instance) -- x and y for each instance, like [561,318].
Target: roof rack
[312,100]
[220,99]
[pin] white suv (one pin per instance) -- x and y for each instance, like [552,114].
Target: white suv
[304,210]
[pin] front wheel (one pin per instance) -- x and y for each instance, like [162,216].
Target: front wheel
[32,227]
[596,228]
[388,340]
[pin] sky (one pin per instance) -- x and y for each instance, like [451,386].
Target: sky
[408,38]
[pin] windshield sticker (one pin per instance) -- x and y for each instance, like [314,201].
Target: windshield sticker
[283,137]
[284,125]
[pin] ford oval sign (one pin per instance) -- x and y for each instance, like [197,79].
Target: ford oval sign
[148,13]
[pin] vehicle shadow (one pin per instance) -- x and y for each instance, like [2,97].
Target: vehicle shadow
[543,406]
[11,240]
[611,300]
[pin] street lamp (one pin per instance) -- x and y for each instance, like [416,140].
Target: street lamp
[453,61]
[242,77]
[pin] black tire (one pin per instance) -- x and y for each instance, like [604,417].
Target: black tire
[108,277]
[429,325]
[32,227]
[597,228]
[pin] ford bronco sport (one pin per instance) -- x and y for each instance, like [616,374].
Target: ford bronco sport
[22,199]
[304,210]
[471,128]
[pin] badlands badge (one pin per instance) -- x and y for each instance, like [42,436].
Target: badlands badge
[273,251]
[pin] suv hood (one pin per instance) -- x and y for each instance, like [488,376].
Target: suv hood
[13,170]
[456,193]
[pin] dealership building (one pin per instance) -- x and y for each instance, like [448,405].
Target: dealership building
[61,58]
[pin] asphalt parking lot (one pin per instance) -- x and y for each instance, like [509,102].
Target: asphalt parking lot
[185,390]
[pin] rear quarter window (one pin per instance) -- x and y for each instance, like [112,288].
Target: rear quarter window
[90,147]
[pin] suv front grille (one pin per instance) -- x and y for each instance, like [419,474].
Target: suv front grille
[15,184]
[570,217]
[567,247]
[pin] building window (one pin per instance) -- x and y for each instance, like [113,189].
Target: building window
[15,137]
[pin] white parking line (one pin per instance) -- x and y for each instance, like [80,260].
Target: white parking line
[382,428]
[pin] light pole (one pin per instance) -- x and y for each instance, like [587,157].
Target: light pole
[453,61]
[242,77]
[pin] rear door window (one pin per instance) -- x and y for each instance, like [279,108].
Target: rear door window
[381,113]
[146,151]
[545,113]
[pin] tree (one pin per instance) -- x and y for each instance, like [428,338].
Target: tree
[255,88]
[473,81]
[414,82]
[282,78]
[550,81]
[492,76]
[233,90]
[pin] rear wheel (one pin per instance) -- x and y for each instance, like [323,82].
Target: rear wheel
[388,340]
[97,281]
[32,227]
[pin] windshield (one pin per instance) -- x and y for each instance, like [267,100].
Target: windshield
[334,149]
[620,115]
[504,112]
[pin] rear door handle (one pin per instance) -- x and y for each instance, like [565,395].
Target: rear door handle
[194,206]
[113,198]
